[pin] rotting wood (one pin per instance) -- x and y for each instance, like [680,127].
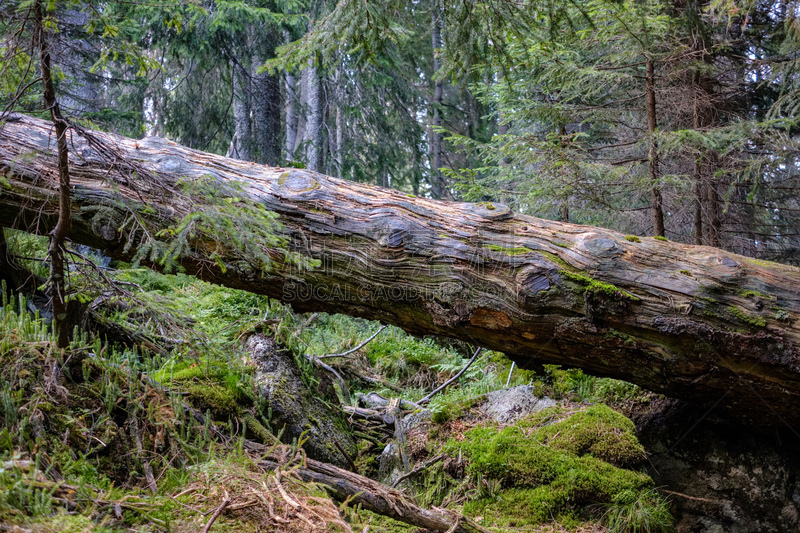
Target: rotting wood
[691,322]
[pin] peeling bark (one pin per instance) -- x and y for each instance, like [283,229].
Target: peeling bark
[692,322]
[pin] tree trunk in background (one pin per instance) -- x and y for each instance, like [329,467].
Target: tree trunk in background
[564,215]
[691,322]
[80,89]
[697,202]
[706,213]
[17,278]
[291,116]
[656,202]
[338,154]
[313,133]
[714,226]
[242,138]
[266,111]
[438,184]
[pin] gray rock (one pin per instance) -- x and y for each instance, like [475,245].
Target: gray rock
[390,464]
[509,405]
[295,409]
[416,418]
[725,478]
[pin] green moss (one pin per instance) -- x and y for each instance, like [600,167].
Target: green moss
[660,238]
[63,523]
[761,262]
[598,287]
[551,465]
[624,337]
[755,294]
[508,251]
[632,238]
[646,511]
[598,431]
[222,402]
[781,315]
[449,412]
[488,205]
[755,321]
[553,258]
[257,428]
[685,272]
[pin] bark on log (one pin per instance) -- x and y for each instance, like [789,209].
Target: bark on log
[691,322]
[378,498]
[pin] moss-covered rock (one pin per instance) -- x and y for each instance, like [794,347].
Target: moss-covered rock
[297,410]
[552,464]
[598,431]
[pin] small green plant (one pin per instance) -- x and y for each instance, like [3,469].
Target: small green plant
[632,238]
[645,512]
[661,238]
[225,225]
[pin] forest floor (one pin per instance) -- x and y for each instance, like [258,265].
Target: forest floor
[152,421]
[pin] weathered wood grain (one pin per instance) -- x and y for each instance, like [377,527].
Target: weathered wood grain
[691,322]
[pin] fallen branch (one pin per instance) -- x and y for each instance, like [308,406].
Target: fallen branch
[355,489]
[342,383]
[348,352]
[218,512]
[373,399]
[417,470]
[450,381]
[148,469]
[372,380]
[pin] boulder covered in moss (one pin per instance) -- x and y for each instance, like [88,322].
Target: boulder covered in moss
[562,463]
[301,406]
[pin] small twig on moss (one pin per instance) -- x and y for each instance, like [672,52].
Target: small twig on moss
[342,383]
[222,506]
[346,455]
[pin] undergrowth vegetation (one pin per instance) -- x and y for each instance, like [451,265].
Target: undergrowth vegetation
[154,419]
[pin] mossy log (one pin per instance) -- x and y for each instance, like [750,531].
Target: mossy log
[692,322]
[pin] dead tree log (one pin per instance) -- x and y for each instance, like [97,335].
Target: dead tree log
[356,489]
[691,322]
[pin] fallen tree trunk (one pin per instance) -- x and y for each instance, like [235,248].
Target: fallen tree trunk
[691,322]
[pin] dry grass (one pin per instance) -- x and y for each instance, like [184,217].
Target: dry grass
[257,500]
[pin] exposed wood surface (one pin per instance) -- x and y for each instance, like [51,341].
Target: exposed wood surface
[378,498]
[691,322]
